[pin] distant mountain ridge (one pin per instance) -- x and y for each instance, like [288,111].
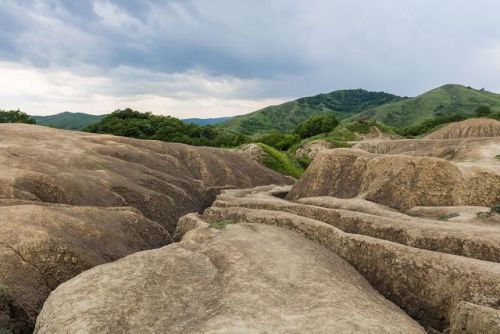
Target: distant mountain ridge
[68,120]
[285,117]
[206,121]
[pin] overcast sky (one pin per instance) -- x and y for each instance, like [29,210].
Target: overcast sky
[210,58]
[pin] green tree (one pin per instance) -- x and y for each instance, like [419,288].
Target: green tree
[483,110]
[132,123]
[316,125]
[278,140]
[15,116]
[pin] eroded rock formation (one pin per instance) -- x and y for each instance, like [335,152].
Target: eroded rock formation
[398,181]
[71,200]
[245,278]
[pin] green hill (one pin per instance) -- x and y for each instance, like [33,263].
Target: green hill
[68,120]
[443,101]
[285,117]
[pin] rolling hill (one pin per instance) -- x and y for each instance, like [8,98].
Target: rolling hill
[68,120]
[286,116]
[442,101]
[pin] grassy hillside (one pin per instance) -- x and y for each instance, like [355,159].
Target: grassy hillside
[281,161]
[442,101]
[206,121]
[68,120]
[285,117]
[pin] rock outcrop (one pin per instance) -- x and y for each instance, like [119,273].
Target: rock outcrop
[244,278]
[471,128]
[62,199]
[398,181]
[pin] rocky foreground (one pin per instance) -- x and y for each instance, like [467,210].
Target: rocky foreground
[391,236]
[70,201]
[256,276]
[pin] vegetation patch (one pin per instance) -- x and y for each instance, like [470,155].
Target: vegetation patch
[448,216]
[280,141]
[15,116]
[316,125]
[497,157]
[281,162]
[220,225]
[131,123]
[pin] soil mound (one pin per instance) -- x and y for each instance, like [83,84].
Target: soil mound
[471,128]
[397,181]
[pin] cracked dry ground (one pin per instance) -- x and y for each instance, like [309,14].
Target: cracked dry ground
[330,275]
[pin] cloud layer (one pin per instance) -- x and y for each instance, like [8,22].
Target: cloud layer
[222,57]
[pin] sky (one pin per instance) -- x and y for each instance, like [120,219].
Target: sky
[212,58]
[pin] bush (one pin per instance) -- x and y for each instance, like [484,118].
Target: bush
[279,141]
[430,124]
[316,125]
[280,162]
[15,116]
[360,126]
[131,123]
[483,110]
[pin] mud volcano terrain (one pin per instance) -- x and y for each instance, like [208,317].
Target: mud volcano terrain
[393,236]
[70,201]
[389,236]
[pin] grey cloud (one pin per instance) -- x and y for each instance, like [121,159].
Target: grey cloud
[284,48]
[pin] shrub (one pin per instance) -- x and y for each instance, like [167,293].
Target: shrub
[279,141]
[316,125]
[483,110]
[15,116]
[220,225]
[281,162]
[430,124]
